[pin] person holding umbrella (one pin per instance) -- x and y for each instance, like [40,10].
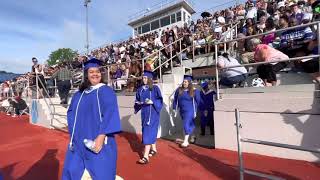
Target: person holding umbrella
[205,14]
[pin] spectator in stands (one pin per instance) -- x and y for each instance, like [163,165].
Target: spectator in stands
[252,11]
[249,26]
[311,65]
[157,42]
[50,82]
[63,77]
[240,12]
[295,40]
[265,53]
[192,27]
[218,25]
[38,72]
[296,12]
[281,7]
[229,16]
[245,50]
[270,26]
[6,89]
[261,25]
[19,105]
[123,78]
[233,76]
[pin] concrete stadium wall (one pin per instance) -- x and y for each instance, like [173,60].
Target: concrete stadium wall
[283,117]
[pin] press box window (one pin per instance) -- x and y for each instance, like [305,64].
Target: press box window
[139,30]
[178,16]
[145,28]
[155,25]
[165,21]
[173,18]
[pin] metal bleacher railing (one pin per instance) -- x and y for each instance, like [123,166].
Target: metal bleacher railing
[259,63]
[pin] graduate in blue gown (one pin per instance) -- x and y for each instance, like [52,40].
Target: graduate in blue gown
[93,114]
[149,101]
[206,108]
[187,99]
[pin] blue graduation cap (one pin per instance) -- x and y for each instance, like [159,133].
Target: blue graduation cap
[147,73]
[187,77]
[92,63]
[204,84]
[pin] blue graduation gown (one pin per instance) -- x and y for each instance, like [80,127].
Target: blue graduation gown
[207,104]
[188,108]
[150,114]
[88,125]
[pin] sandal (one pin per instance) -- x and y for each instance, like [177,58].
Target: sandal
[152,153]
[143,160]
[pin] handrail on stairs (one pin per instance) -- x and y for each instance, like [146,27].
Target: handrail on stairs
[49,105]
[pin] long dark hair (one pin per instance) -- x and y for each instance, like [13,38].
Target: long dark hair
[190,88]
[150,84]
[86,83]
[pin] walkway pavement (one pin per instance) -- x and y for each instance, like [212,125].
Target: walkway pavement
[29,152]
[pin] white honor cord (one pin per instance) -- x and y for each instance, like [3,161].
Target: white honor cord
[194,108]
[75,120]
[175,114]
[150,111]
[99,105]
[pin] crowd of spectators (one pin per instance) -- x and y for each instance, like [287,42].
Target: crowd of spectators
[269,16]
[251,18]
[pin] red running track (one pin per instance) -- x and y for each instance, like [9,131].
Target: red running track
[29,152]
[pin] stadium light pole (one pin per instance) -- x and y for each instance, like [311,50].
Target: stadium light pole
[86,2]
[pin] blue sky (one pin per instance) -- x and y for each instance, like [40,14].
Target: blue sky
[37,27]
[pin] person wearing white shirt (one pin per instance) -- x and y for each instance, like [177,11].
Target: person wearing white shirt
[231,76]
[252,12]
[38,71]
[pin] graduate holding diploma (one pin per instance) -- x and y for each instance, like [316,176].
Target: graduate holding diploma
[149,101]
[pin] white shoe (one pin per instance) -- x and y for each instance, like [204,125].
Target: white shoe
[184,145]
[14,115]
